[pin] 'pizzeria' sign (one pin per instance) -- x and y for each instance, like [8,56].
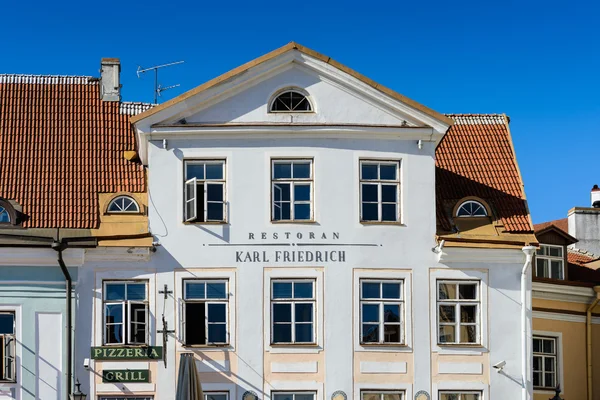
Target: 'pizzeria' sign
[127,353]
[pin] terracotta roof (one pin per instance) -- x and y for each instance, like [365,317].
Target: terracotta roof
[284,49]
[60,146]
[580,257]
[476,158]
[562,224]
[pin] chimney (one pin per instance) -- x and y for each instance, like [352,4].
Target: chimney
[595,196]
[110,83]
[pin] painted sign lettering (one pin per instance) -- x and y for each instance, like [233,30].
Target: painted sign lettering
[127,353]
[125,375]
[290,256]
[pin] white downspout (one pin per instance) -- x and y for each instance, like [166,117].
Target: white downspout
[525,394]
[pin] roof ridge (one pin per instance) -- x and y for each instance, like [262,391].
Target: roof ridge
[48,79]
[483,119]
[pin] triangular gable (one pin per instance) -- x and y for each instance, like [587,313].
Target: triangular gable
[410,113]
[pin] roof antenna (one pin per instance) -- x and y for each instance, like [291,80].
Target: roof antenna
[158,88]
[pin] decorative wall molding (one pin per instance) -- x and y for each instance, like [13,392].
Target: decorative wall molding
[568,293]
[372,367]
[39,257]
[460,368]
[305,367]
[212,366]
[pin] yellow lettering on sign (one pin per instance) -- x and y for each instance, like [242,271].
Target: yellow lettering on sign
[129,353]
[139,353]
[153,353]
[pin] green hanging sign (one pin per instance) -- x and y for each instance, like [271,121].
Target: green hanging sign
[127,353]
[125,375]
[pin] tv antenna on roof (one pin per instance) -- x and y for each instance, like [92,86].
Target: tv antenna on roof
[158,88]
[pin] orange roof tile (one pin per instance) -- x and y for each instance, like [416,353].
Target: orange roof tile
[60,146]
[580,257]
[476,158]
[562,224]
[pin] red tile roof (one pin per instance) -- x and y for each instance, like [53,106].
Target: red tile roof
[580,257]
[562,224]
[60,146]
[476,158]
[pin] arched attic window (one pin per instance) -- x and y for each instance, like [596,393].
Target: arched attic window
[123,204]
[8,215]
[4,215]
[471,208]
[290,100]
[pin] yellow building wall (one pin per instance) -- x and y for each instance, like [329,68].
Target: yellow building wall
[115,225]
[574,357]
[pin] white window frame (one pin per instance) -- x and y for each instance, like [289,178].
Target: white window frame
[206,301]
[194,183]
[379,182]
[207,274]
[396,387]
[460,386]
[381,393]
[479,204]
[458,303]
[559,360]
[282,91]
[292,302]
[12,339]
[381,302]
[382,275]
[549,259]
[292,182]
[465,274]
[293,393]
[126,312]
[15,386]
[124,275]
[460,393]
[299,273]
[216,392]
[136,210]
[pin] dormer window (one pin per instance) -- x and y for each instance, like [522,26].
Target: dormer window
[8,215]
[471,208]
[123,204]
[291,100]
[549,262]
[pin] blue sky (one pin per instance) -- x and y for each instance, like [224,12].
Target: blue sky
[536,61]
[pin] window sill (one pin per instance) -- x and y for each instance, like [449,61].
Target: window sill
[132,346]
[206,223]
[205,346]
[294,222]
[383,345]
[301,345]
[460,345]
[382,223]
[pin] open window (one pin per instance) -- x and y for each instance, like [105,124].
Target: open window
[205,312]
[204,191]
[7,347]
[125,312]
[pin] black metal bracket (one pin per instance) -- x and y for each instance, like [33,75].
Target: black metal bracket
[166,292]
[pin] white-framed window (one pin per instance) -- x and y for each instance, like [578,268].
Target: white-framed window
[204,191]
[545,362]
[290,100]
[8,344]
[458,309]
[292,190]
[460,395]
[126,398]
[125,305]
[123,204]
[293,304]
[216,395]
[379,191]
[471,208]
[293,395]
[382,395]
[205,312]
[550,262]
[381,311]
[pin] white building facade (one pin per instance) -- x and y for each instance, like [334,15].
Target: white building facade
[293,204]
